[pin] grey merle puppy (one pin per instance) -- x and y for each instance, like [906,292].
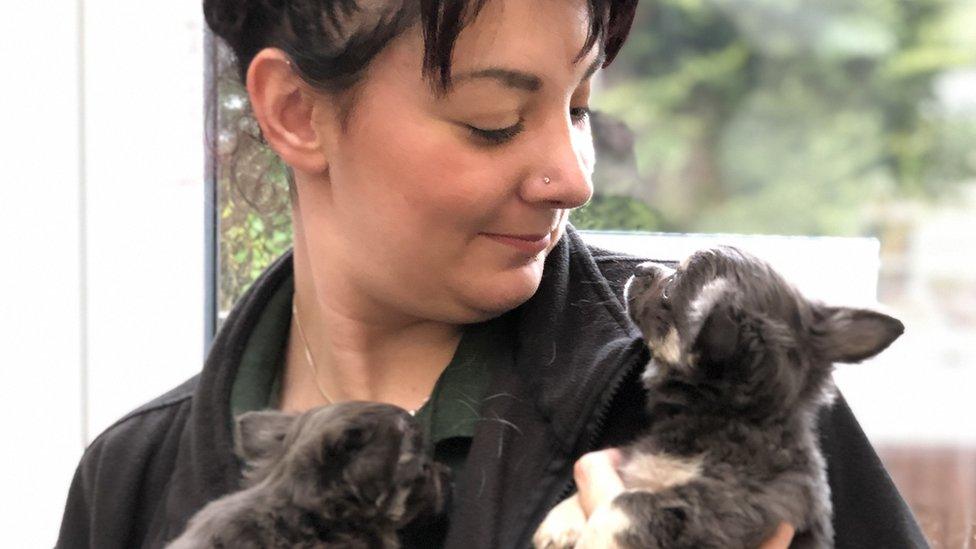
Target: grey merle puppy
[347,475]
[741,365]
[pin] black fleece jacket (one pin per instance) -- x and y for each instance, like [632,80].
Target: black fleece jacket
[573,387]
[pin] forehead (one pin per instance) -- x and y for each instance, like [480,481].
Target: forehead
[717,262]
[538,36]
[718,256]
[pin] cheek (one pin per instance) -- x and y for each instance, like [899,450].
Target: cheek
[457,189]
[439,183]
[413,183]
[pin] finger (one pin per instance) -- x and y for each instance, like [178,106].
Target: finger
[597,479]
[563,525]
[781,538]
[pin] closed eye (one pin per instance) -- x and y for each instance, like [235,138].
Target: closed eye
[579,115]
[499,136]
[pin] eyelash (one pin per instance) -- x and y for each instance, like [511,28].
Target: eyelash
[498,137]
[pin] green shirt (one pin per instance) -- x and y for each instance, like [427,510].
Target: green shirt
[448,418]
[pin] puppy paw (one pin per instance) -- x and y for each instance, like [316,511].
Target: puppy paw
[562,527]
[603,528]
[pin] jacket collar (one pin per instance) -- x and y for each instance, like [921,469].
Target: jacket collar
[573,342]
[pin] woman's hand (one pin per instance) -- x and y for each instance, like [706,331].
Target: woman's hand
[781,538]
[598,483]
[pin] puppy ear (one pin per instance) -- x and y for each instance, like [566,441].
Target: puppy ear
[852,335]
[259,436]
[710,295]
[718,336]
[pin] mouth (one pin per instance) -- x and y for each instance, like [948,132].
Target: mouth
[527,243]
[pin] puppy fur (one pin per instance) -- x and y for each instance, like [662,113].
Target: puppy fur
[347,475]
[741,365]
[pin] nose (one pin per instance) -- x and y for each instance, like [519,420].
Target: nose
[564,178]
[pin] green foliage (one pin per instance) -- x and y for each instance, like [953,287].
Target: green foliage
[616,213]
[793,116]
[251,238]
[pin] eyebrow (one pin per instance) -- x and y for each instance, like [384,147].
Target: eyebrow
[519,79]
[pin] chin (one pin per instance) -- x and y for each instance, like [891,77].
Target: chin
[501,292]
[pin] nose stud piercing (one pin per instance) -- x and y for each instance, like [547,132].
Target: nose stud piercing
[546,180]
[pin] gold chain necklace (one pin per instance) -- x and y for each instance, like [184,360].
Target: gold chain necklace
[311,362]
[308,354]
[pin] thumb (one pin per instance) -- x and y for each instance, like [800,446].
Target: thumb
[597,479]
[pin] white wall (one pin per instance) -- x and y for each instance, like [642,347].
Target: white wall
[101,210]
[144,127]
[39,315]
[841,271]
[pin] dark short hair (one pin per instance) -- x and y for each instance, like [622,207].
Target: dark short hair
[331,42]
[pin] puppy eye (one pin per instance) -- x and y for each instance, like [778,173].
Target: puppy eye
[665,293]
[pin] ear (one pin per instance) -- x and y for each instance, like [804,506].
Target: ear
[719,335]
[852,335]
[260,435]
[285,109]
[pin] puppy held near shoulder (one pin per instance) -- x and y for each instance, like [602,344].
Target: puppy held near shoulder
[741,364]
[348,475]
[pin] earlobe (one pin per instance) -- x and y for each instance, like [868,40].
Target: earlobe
[284,108]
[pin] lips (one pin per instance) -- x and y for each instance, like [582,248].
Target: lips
[527,243]
[526,237]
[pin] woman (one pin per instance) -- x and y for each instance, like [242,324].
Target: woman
[436,149]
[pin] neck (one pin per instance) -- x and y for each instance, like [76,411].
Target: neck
[360,349]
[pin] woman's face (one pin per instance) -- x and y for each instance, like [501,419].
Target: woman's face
[420,212]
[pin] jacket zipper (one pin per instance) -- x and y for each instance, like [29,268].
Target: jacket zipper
[600,419]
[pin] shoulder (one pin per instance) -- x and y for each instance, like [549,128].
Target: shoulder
[616,267]
[137,437]
[611,258]
[126,463]
[180,394]
[116,457]
[150,417]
